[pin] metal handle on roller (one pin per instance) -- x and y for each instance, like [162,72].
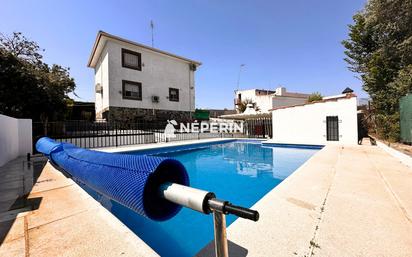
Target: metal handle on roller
[242,212]
[206,202]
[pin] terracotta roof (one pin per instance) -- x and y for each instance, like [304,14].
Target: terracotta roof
[101,34]
[347,96]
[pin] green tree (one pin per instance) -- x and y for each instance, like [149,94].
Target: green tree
[379,48]
[19,46]
[243,104]
[29,87]
[316,96]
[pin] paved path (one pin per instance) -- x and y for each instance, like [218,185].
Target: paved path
[345,201]
[57,218]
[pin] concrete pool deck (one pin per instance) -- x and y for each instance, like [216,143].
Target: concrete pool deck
[60,219]
[344,201]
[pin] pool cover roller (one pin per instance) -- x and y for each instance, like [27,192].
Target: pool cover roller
[131,180]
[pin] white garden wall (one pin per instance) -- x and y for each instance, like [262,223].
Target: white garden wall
[15,138]
[306,124]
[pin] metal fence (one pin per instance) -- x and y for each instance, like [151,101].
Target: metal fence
[110,134]
[260,127]
[113,134]
[405,107]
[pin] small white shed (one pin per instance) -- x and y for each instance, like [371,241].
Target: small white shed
[331,120]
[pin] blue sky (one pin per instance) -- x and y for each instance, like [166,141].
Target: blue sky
[291,43]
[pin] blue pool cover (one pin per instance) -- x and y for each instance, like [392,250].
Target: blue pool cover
[131,180]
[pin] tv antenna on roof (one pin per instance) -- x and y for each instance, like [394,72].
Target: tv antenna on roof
[238,76]
[152,27]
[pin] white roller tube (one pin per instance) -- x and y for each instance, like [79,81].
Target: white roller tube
[192,198]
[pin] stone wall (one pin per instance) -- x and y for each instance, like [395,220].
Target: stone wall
[124,114]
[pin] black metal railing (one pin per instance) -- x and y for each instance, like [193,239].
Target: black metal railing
[259,128]
[89,134]
[112,134]
[95,134]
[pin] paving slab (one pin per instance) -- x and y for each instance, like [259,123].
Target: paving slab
[50,179]
[83,234]
[360,216]
[397,177]
[58,204]
[14,248]
[10,185]
[14,214]
[15,229]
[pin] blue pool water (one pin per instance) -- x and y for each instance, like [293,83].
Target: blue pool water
[241,171]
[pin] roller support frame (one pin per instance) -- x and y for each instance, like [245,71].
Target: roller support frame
[206,202]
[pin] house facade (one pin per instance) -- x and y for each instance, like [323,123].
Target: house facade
[136,82]
[332,120]
[266,100]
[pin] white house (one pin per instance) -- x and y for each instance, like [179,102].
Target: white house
[331,120]
[266,100]
[134,81]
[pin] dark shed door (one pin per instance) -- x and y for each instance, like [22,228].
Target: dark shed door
[332,128]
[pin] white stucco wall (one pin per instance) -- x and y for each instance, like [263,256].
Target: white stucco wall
[307,124]
[247,94]
[15,138]
[268,102]
[264,102]
[159,73]
[102,77]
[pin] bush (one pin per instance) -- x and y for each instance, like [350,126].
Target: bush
[316,96]
[387,127]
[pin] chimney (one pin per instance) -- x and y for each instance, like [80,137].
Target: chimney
[347,91]
[280,91]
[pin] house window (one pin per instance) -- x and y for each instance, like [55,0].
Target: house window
[332,128]
[132,90]
[131,60]
[174,94]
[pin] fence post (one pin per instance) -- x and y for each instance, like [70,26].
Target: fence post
[115,131]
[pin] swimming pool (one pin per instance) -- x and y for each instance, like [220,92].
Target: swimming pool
[241,171]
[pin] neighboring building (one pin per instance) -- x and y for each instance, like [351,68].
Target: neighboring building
[215,113]
[206,114]
[331,120]
[134,81]
[249,113]
[266,100]
[81,111]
